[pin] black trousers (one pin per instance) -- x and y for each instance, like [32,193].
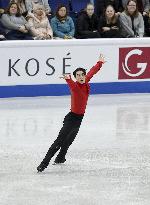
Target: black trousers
[67,134]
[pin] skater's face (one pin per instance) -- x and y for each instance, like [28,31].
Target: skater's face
[80,77]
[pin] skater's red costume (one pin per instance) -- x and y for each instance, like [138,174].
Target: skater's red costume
[80,92]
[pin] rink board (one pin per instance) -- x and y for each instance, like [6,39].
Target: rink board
[61,89]
[32,68]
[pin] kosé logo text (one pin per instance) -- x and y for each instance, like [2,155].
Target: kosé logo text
[134,63]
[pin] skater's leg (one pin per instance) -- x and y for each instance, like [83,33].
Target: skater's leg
[69,139]
[65,146]
[57,143]
[52,150]
[67,126]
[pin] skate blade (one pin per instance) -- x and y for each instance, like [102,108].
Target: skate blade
[58,163]
[55,163]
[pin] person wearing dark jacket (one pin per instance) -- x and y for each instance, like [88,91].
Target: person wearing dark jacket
[147,24]
[100,6]
[72,121]
[109,25]
[2,32]
[2,29]
[87,23]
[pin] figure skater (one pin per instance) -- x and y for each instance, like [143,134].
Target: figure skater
[72,121]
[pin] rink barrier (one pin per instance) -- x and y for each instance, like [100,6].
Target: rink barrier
[32,68]
[61,89]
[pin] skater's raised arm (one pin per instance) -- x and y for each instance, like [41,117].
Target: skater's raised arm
[95,68]
[69,80]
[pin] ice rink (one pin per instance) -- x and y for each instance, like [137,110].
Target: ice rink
[108,163]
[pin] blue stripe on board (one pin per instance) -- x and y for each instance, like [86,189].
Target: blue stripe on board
[62,89]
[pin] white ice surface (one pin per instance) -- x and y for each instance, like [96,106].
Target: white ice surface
[108,163]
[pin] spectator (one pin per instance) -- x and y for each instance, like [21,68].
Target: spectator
[100,6]
[39,24]
[2,29]
[62,24]
[16,27]
[132,20]
[142,5]
[143,8]
[22,6]
[147,24]
[109,24]
[2,33]
[30,5]
[87,23]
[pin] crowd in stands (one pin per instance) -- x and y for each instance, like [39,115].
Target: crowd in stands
[34,20]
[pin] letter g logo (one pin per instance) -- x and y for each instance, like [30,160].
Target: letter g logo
[141,66]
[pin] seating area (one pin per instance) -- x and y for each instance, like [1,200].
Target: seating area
[67,19]
[77,5]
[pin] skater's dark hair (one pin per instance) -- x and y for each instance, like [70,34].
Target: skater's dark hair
[79,69]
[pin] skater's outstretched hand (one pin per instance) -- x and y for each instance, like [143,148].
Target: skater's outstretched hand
[101,58]
[65,76]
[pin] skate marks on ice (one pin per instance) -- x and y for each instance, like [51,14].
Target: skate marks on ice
[92,177]
[108,176]
[109,162]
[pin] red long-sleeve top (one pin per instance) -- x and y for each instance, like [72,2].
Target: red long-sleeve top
[80,92]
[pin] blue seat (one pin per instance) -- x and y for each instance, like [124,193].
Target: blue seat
[54,4]
[77,5]
[4,3]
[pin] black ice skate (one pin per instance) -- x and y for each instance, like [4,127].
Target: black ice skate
[41,167]
[58,161]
